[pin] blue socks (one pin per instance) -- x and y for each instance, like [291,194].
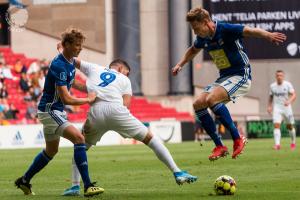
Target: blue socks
[39,162]
[222,112]
[209,126]
[82,164]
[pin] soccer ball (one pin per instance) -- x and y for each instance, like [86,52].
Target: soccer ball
[225,185]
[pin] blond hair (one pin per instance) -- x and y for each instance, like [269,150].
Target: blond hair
[71,35]
[197,14]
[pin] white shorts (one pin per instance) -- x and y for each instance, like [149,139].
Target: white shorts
[105,116]
[236,86]
[54,122]
[283,113]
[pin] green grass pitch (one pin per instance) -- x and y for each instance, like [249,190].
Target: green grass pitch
[134,172]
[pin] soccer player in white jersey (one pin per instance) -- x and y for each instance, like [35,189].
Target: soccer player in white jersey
[110,112]
[282,95]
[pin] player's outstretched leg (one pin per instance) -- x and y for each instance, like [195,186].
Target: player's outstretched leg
[164,155]
[224,116]
[209,126]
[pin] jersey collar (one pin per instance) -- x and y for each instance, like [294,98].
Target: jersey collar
[67,59]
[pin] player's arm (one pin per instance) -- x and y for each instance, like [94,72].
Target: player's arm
[126,100]
[68,99]
[190,53]
[292,98]
[270,104]
[274,37]
[126,92]
[79,86]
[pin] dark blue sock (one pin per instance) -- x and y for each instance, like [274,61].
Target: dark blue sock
[209,126]
[82,164]
[222,112]
[39,162]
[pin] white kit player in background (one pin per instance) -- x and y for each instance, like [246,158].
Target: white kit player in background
[282,95]
[110,112]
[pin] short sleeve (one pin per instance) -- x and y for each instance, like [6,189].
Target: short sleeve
[198,43]
[270,92]
[86,67]
[60,74]
[127,87]
[234,31]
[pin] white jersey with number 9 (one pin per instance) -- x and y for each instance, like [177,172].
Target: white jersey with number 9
[108,84]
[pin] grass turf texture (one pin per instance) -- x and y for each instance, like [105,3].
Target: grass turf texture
[134,172]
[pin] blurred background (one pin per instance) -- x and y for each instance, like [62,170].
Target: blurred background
[151,35]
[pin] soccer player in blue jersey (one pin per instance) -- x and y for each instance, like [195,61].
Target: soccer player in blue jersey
[59,80]
[223,42]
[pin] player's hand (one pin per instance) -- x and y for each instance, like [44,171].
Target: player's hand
[270,109]
[287,103]
[59,47]
[277,37]
[176,69]
[92,97]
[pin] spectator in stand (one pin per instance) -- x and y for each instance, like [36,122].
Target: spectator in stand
[5,72]
[27,96]
[24,83]
[31,111]
[11,112]
[44,64]
[3,92]
[19,67]
[34,67]
[3,121]
[3,105]
[41,79]
[36,89]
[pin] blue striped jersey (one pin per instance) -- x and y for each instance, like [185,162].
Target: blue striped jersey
[226,49]
[61,73]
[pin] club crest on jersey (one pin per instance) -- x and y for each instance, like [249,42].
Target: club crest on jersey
[63,76]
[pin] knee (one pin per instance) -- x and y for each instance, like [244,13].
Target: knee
[79,139]
[210,100]
[289,126]
[199,104]
[276,125]
[51,152]
[147,138]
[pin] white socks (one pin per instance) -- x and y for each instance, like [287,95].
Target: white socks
[293,135]
[277,136]
[75,174]
[163,154]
